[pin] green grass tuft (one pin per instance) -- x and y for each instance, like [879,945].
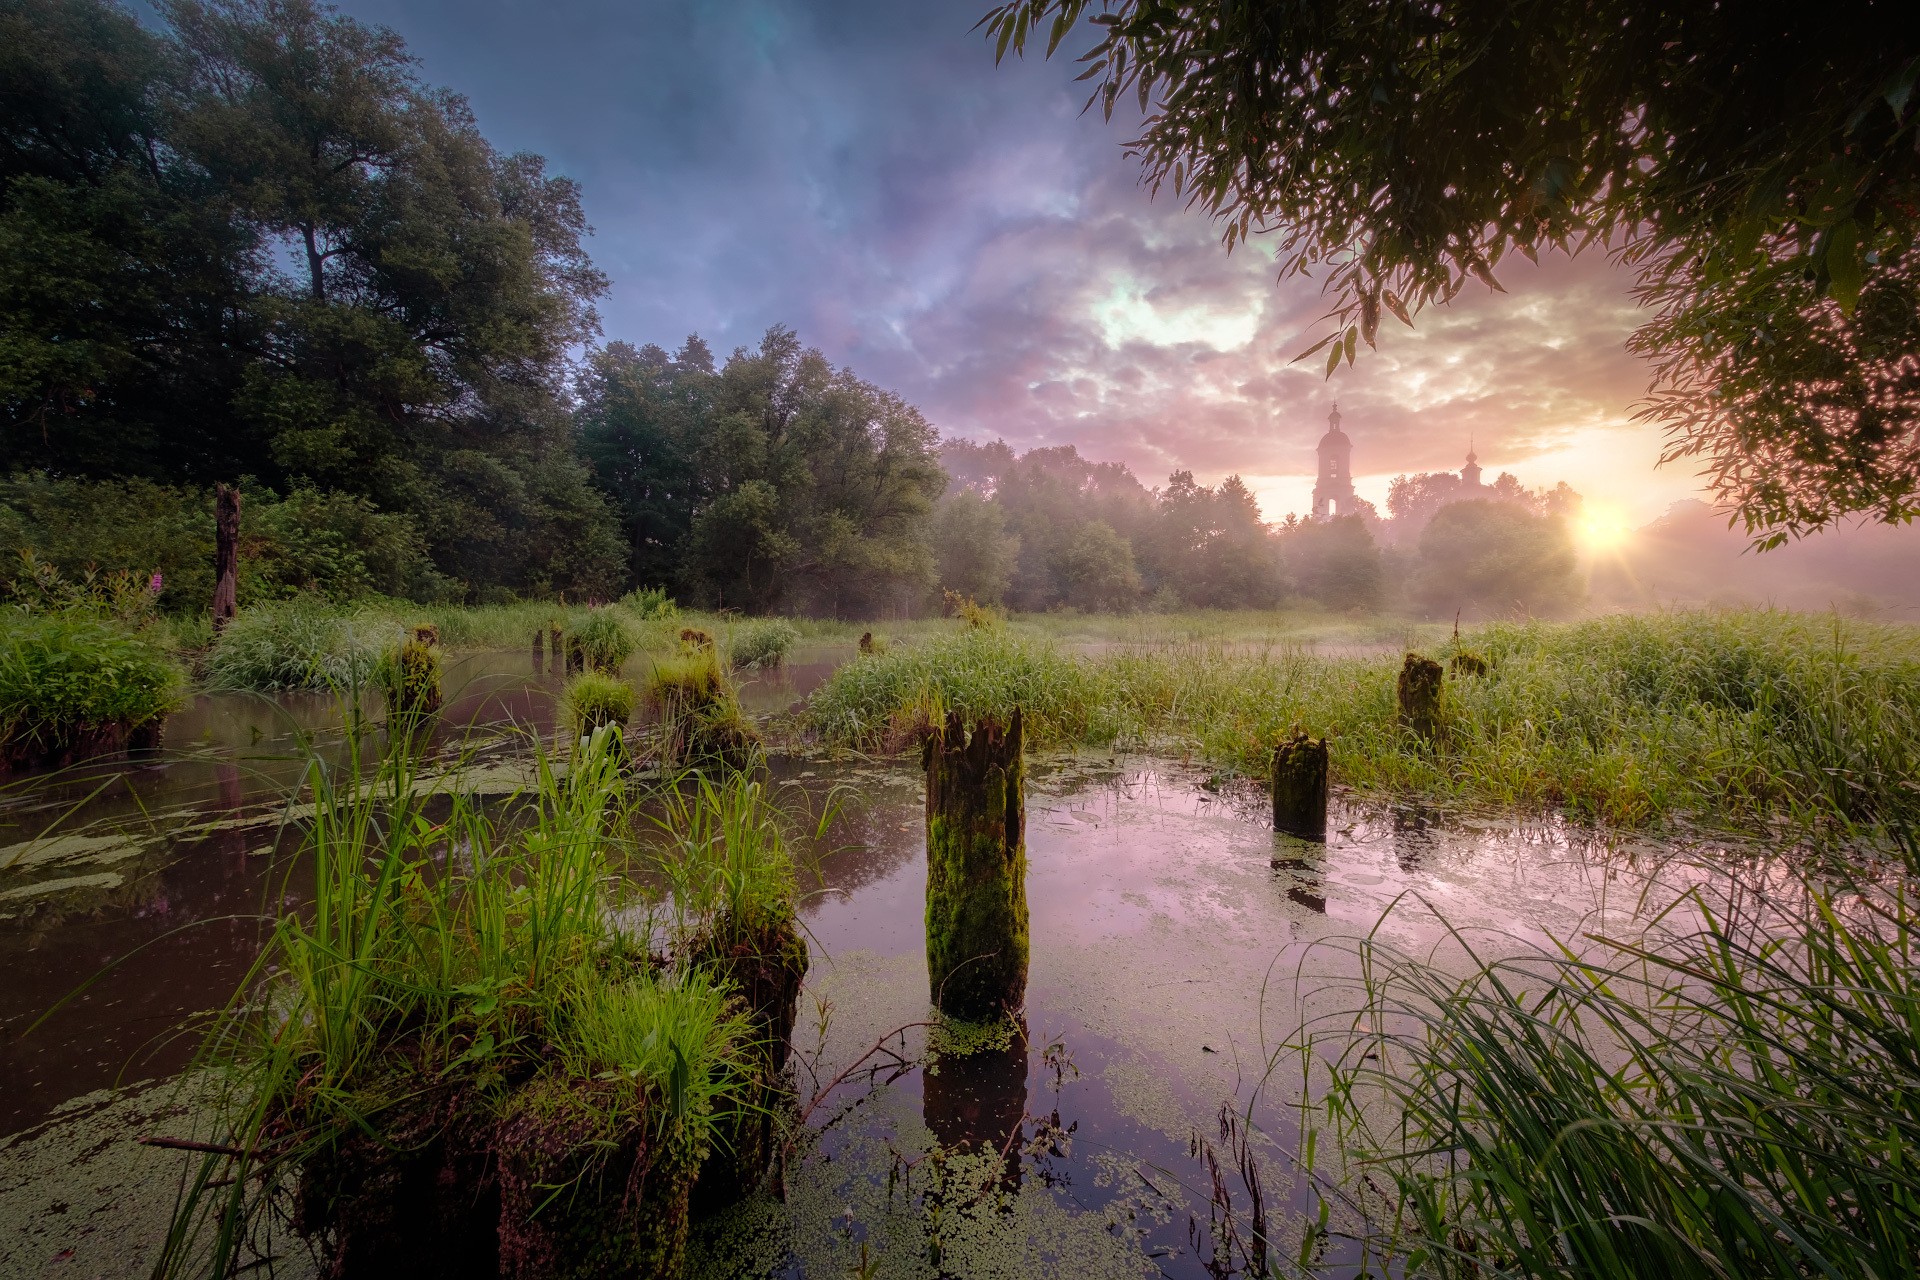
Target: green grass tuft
[73,684]
[299,644]
[593,700]
[761,644]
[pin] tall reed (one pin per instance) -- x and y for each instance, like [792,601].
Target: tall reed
[1734,1096]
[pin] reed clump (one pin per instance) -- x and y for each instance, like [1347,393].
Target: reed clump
[74,686]
[298,644]
[605,643]
[762,645]
[700,719]
[468,1065]
[1745,719]
[594,701]
[1737,1096]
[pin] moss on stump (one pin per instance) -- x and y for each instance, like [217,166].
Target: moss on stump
[976,868]
[1419,696]
[1300,787]
[764,965]
[595,1183]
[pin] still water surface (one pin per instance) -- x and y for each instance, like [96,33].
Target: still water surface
[1177,943]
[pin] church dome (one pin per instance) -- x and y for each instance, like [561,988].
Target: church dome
[1335,437]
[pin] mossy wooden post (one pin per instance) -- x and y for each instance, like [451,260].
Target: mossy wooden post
[226,555]
[1419,693]
[976,868]
[576,656]
[413,679]
[1467,664]
[1300,787]
[553,649]
[538,661]
[866,642]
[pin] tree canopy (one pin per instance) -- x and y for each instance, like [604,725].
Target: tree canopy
[1755,166]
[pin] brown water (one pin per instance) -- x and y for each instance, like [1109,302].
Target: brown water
[1176,944]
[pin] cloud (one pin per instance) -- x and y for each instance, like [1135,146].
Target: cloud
[966,236]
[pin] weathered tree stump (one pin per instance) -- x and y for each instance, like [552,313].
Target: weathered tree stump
[866,642]
[976,868]
[426,633]
[1300,787]
[1465,663]
[553,649]
[1419,692]
[226,555]
[576,656]
[413,681]
[539,660]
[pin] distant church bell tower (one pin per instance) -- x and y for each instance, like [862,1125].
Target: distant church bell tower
[1333,493]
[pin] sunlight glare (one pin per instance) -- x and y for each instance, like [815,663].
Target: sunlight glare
[1603,528]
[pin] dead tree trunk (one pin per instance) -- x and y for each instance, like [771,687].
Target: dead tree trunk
[226,555]
[1419,694]
[1300,787]
[976,868]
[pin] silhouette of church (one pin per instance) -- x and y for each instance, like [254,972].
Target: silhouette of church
[1470,474]
[1333,493]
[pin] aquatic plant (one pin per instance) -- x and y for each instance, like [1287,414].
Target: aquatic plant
[593,700]
[700,717]
[764,643]
[604,641]
[1744,719]
[298,644]
[1736,1097]
[465,1061]
[73,685]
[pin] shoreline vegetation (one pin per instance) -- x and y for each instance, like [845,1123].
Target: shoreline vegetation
[1749,720]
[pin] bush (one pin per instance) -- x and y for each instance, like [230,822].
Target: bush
[650,604]
[593,699]
[71,685]
[762,644]
[300,644]
[604,641]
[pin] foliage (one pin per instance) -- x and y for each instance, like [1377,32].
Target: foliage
[67,677]
[40,587]
[1334,562]
[1412,501]
[974,554]
[1734,1096]
[298,644]
[1096,569]
[1760,177]
[649,604]
[1492,558]
[604,640]
[721,845]
[1735,719]
[777,481]
[593,699]
[249,242]
[762,644]
[503,967]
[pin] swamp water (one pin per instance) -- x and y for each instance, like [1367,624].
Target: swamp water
[1177,943]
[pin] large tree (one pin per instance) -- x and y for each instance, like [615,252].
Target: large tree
[1755,165]
[250,243]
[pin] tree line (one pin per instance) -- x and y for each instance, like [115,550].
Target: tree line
[248,245]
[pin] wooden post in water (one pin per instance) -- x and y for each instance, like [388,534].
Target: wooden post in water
[866,642]
[576,656]
[226,555]
[539,636]
[1419,693]
[553,648]
[1300,787]
[976,868]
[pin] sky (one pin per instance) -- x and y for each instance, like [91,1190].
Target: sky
[966,236]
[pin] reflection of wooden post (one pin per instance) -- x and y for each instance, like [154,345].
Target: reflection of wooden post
[1419,694]
[226,555]
[976,868]
[1300,787]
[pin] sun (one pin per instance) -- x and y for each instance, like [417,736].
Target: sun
[1603,528]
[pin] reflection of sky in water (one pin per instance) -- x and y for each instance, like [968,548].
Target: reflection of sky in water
[1177,943]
